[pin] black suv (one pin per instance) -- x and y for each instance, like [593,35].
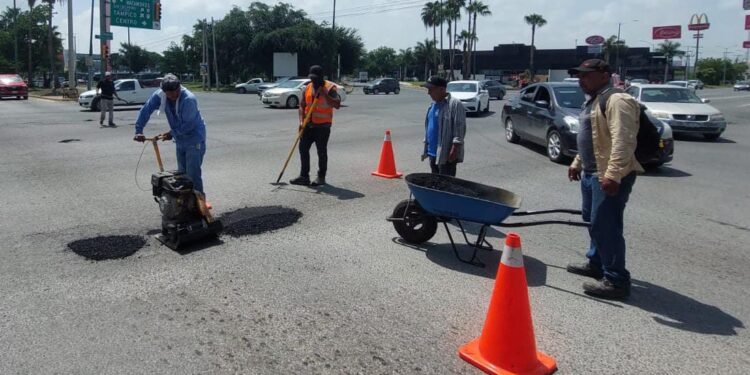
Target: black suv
[386,85]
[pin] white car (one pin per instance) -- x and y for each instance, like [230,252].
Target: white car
[681,109]
[249,86]
[288,94]
[471,95]
[685,84]
[130,91]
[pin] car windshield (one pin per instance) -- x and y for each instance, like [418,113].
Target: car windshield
[462,87]
[7,80]
[669,95]
[569,97]
[284,79]
[742,83]
[289,84]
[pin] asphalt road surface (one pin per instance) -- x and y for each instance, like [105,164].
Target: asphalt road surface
[334,291]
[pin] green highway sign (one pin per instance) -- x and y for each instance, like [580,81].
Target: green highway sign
[104,36]
[144,14]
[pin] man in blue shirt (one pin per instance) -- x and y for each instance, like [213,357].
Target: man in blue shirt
[185,123]
[445,128]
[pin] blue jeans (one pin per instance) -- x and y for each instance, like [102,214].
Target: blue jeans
[189,161]
[607,249]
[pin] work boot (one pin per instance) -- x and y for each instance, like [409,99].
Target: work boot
[112,124]
[585,269]
[605,289]
[319,181]
[301,180]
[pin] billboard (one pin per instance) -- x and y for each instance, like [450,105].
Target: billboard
[699,22]
[667,32]
[285,64]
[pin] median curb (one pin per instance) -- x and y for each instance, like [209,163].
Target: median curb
[52,98]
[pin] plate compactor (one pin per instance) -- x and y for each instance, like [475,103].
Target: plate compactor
[184,215]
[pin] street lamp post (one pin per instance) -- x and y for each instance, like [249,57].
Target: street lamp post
[617,52]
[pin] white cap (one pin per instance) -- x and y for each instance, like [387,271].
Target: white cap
[107,74]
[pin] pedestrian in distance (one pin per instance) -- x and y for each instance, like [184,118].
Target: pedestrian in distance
[318,129]
[445,127]
[108,93]
[606,167]
[186,125]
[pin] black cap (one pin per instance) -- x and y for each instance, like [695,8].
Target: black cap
[316,71]
[436,81]
[591,65]
[170,82]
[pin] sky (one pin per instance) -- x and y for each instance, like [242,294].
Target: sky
[397,23]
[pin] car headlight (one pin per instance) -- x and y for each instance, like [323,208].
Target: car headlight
[666,132]
[662,115]
[717,117]
[573,124]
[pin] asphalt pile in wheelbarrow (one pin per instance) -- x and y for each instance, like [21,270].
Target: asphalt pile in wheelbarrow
[256,220]
[441,183]
[107,247]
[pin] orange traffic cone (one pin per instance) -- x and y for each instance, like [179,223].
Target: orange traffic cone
[387,166]
[507,344]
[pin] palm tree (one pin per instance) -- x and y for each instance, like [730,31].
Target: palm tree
[477,8]
[425,52]
[670,49]
[467,38]
[535,20]
[431,17]
[452,15]
[51,48]
[612,45]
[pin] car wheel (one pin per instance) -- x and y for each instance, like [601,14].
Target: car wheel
[292,102]
[95,105]
[555,146]
[502,95]
[365,91]
[396,91]
[25,98]
[711,136]
[242,90]
[375,91]
[417,226]
[510,132]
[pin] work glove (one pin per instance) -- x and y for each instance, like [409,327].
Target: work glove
[424,156]
[166,136]
[139,138]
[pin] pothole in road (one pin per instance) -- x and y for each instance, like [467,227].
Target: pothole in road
[69,140]
[256,220]
[107,247]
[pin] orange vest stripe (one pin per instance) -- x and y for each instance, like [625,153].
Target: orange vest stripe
[323,112]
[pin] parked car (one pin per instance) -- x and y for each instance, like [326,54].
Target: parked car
[384,85]
[131,92]
[494,88]
[681,109]
[742,86]
[695,82]
[684,84]
[571,79]
[547,114]
[12,85]
[288,94]
[249,86]
[269,85]
[638,80]
[471,95]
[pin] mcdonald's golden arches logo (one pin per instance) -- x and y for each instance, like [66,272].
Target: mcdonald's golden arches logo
[699,22]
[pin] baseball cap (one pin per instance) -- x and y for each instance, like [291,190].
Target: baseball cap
[591,65]
[316,71]
[436,81]
[107,74]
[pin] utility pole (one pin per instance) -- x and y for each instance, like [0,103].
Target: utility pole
[724,62]
[335,44]
[90,62]
[216,64]
[698,37]
[205,60]
[617,58]
[71,49]
[15,37]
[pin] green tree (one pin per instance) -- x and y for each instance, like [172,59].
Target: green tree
[135,58]
[534,20]
[424,53]
[712,70]
[452,13]
[669,49]
[51,47]
[381,61]
[33,42]
[476,8]
[466,38]
[408,61]
[613,46]
[175,60]
[431,17]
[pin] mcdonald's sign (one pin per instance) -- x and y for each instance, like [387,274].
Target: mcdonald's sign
[699,22]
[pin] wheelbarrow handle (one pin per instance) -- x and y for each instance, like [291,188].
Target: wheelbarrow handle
[545,222]
[558,210]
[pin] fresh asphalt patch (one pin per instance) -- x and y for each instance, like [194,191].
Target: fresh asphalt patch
[256,220]
[107,247]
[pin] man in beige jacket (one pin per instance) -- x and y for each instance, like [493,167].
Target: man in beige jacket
[606,166]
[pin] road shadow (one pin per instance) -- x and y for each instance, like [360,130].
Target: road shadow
[481,114]
[699,138]
[442,255]
[328,189]
[206,243]
[665,171]
[473,229]
[682,312]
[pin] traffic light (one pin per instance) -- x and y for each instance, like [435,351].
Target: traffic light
[105,52]
[157,11]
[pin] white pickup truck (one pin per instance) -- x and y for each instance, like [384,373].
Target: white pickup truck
[131,91]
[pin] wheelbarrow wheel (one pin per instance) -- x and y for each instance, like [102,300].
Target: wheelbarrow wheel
[418,226]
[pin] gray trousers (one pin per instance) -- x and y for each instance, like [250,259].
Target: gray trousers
[107,105]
